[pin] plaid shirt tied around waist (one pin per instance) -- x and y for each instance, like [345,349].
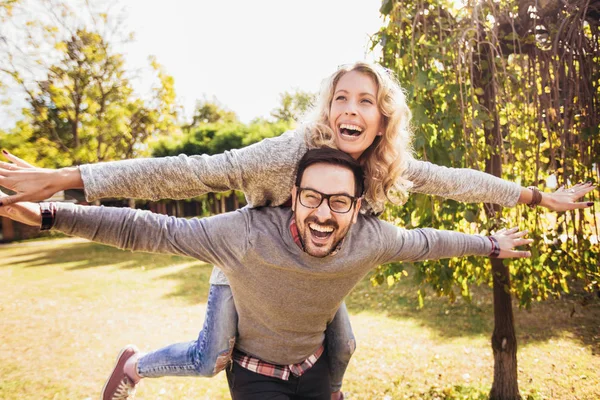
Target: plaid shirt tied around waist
[273,370]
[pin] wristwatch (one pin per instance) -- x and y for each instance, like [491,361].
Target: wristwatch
[48,211]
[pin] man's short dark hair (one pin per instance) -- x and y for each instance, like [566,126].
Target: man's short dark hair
[328,155]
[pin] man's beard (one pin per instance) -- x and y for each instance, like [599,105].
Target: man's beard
[306,233]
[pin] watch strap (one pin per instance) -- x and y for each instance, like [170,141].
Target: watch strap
[48,211]
[495,247]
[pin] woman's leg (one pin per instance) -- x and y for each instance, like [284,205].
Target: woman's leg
[204,357]
[340,346]
[207,355]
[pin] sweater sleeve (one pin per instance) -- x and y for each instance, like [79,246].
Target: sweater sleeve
[264,171]
[429,244]
[461,184]
[219,240]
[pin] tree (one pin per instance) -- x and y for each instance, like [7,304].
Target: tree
[84,109]
[510,87]
[208,112]
[293,105]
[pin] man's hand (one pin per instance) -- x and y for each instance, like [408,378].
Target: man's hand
[26,213]
[509,239]
[34,184]
[566,199]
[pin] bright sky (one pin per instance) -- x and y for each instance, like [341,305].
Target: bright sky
[245,53]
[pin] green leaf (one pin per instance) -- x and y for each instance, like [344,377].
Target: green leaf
[470,216]
[386,7]
[422,80]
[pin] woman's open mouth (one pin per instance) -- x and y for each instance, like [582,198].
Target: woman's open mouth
[350,130]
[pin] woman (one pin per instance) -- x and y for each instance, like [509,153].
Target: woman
[361,110]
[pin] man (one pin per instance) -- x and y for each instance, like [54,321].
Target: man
[289,269]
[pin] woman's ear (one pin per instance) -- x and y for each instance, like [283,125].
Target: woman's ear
[382,128]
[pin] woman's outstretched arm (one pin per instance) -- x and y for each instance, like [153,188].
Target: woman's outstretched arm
[472,186]
[208,239]
[264,171]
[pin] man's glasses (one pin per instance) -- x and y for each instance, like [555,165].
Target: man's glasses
[338,203]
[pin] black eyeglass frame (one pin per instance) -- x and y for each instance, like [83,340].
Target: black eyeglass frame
[353,199]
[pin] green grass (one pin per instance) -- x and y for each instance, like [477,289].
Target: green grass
[68,306]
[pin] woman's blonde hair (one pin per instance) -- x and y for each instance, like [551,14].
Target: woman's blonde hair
[387,157]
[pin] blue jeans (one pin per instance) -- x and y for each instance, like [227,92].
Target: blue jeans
[211,352]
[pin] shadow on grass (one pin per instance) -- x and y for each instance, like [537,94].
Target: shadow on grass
[546,320]
[76,256]
[193,283]
[400,302]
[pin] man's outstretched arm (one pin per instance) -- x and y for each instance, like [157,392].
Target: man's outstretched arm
[432,244]
[216,239]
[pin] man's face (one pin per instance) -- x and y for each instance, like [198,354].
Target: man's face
[320,228]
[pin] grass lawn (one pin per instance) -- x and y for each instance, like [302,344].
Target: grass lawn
[68,306]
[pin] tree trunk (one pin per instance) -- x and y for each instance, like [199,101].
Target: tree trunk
[213,203]
[223,205]
[236,201]
[504,342]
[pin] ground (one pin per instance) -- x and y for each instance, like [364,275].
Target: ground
[68,306]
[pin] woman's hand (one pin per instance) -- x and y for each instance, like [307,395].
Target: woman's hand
[26,213]
[566,199]
[508,239]
[34,184]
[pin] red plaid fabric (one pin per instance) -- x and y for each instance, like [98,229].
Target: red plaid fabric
[295,233]
[276,371]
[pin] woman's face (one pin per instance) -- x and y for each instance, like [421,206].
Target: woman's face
[354,114]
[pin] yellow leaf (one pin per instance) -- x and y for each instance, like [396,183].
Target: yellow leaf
[61,46]
[390,280]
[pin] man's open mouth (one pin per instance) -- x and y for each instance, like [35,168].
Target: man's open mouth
[320,232]
[350,130]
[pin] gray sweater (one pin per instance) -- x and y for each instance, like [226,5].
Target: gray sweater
[284,297]
[265,172]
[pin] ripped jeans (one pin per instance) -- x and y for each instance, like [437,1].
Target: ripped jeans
[211,352]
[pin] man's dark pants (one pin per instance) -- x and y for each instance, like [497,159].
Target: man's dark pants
[314,384]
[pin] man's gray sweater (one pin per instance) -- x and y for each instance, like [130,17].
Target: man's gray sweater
[284,297]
